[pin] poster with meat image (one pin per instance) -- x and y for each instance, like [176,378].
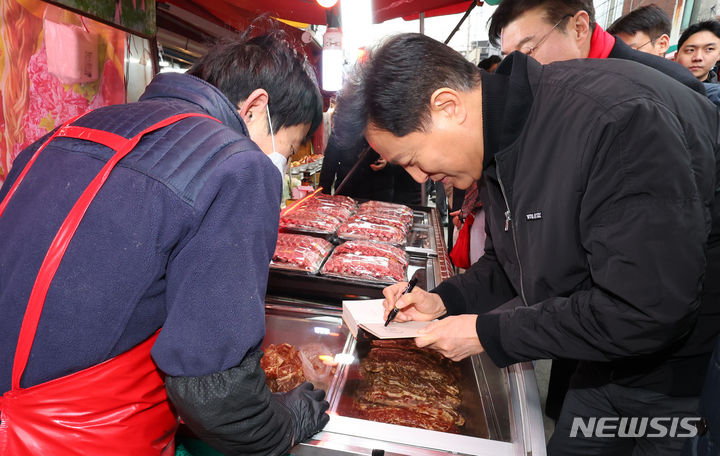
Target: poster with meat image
[34,99]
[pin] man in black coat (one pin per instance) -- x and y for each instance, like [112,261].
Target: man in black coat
[598,185]
[554,30]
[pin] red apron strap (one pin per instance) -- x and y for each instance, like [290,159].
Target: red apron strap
[30,162]
[62,239]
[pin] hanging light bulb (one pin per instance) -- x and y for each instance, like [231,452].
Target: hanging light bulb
[327,3]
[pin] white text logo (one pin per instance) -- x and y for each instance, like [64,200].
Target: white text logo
[635,427]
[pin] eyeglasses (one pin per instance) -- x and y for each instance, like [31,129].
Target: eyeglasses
[530,49]
[652,41]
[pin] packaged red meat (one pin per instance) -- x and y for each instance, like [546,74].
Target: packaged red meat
[382,219]
[336,210]
[338,200]
[300,252]
[310,221]
[365,267]
[390,210]
[360,229]
[370,248]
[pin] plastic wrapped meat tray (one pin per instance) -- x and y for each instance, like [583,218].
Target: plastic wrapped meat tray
[299,252]
[337,200]
[321,214]
[360,229]
[311,221]
[362,261]
[387,210]
[369,248]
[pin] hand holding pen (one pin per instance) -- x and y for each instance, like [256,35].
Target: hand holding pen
[393,313]
[412,303]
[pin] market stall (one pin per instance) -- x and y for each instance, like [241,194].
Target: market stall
[373,408]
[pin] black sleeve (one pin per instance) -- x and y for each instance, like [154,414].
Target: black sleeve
[233,411]
[483,287]
[644,224]
[329,166]
[480,289]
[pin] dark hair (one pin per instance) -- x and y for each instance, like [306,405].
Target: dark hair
[650,19]
[239,66]
[555,10]
[392,88]
[485,64]
[710,26]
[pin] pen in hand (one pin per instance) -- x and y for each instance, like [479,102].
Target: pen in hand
[393,313]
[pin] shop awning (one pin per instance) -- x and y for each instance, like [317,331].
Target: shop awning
[309,11]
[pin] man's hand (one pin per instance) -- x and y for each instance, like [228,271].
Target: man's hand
[307,406]
[454,337]
[418,305]
[457,218]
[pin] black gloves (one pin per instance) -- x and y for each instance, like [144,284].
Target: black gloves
[307,408]
[234,412]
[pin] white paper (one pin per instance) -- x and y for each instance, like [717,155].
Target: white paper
[369,313]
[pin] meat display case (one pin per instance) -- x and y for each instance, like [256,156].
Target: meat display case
[501,406]
[426,251]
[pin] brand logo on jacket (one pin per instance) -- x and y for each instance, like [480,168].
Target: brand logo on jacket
[533,216]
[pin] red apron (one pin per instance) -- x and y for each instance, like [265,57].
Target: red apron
[118,407]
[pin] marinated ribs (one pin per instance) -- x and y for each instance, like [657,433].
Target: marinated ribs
[283,367]
[409,386]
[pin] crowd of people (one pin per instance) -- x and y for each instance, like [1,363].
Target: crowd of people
[587,160]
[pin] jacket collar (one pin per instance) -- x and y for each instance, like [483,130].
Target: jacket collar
[507,98]
[601,43]
[201,93]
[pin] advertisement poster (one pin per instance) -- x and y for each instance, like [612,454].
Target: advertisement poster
[135,15]
[54,66]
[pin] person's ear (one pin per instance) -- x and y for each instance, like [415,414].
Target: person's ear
[448,103]
[253,107]
[580,28]
[662,44]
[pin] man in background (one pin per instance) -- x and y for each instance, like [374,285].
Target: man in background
[699,51]
[553,30]
[645,29]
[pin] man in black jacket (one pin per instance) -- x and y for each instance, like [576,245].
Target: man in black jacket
[598,183]
[645,29]
[554,30]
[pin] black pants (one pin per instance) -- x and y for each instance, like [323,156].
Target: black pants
[616,401]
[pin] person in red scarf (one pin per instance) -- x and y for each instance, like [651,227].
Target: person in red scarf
[554,30]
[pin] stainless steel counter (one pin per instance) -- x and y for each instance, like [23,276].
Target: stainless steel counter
[501,406]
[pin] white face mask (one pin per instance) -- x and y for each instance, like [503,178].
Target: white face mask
[276,157]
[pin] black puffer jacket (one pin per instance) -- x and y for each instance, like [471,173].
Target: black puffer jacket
[598,188]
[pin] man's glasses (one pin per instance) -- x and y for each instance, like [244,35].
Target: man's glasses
[652,41]
[530,49]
